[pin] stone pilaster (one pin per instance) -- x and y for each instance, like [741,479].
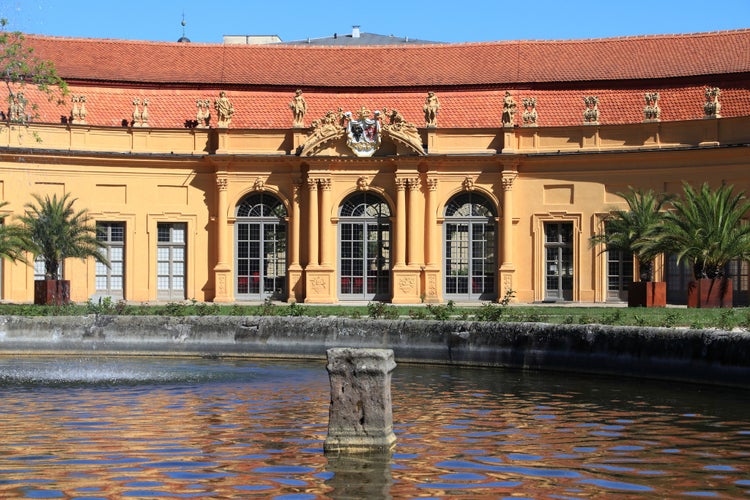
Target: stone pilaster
[507,268]
[294,273]
[432,289]
[224,291]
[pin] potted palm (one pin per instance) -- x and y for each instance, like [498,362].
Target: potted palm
[51,229]
[707,228]
[624,230]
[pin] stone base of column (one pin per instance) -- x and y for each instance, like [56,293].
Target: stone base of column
[406,285]
[360,416]
[224,285]
[320,285]
[432,289]
[296,285]
[505,283]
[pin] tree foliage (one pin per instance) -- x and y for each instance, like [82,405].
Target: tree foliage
[624,230]
[19,67]
[708,228]
[10,243]
[52,229]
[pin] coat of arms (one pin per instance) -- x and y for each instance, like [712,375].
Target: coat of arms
[363,133]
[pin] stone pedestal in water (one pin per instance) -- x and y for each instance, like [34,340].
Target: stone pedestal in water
[360,418]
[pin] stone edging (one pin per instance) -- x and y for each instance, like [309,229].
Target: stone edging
[707,356]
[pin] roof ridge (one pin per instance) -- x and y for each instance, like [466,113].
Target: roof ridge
[410,47]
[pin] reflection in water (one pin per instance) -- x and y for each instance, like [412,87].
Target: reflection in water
[156,427]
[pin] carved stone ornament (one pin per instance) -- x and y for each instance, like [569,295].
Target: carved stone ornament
[203,115]
[78,113]
[362,132]
[327,129]
[362,183]
[401,131]
[468,184]
[17,110]
[259,184]
[591,113]
[318,284]
[712,107]
[407,284]
[651,112]
[140,117]
[529,114]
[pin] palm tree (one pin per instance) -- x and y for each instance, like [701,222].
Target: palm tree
[707,228]
[52,229]
[626,229]
[10,244]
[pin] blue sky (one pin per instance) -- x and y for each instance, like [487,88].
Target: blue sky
[436,20]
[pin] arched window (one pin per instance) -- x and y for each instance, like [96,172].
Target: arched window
[364,248]
[469,248]
[260,248]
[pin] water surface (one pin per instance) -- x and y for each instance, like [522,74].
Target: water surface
[176,428]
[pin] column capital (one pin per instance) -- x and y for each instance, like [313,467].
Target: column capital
[413,183]
[432,184]
[325,183]
[222,183]
[312,184]
[401,183]
[508,177]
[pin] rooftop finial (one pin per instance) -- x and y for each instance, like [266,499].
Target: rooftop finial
[183,38]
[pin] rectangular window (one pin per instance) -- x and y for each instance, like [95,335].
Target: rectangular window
[110,281]
[39,269]
[170,260]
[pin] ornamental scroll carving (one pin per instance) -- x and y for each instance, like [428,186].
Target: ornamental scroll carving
[363,133]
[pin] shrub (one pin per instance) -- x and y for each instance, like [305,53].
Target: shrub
[381,310]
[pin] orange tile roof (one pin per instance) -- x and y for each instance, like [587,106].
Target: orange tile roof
[470,79]
[507,63]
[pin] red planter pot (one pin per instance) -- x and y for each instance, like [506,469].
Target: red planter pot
[647,294]
[707,292]
[52,292]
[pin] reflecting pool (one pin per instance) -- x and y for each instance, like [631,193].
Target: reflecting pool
[187,428]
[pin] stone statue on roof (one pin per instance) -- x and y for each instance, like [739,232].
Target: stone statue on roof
[299,108]
[509,110]
[224,110]
[431,107]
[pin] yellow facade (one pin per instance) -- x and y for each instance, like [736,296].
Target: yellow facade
[533,180]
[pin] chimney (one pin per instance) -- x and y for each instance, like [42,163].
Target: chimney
[355,31]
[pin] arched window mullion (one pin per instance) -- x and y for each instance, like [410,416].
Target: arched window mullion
[364,247]
[260,247]
[469,248]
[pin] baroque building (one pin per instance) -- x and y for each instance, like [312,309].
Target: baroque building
[418,172]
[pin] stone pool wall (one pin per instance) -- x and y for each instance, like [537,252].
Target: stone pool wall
[708,356]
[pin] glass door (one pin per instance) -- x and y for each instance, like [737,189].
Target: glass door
[558,265]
